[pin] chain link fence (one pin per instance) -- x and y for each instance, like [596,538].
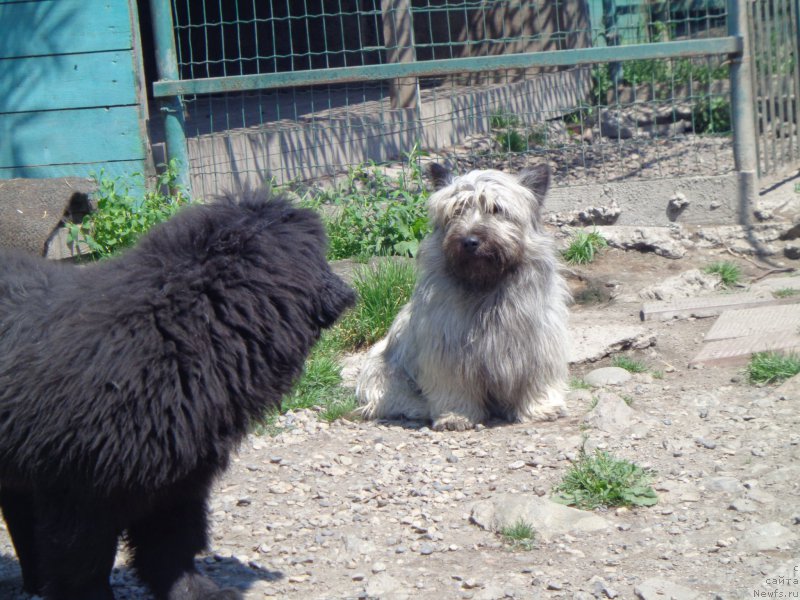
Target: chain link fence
[301,91]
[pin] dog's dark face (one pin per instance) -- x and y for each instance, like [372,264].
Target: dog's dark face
[489,221]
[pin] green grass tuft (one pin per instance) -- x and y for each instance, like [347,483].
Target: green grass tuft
[382,290]
[728,272]
[584,247]
[576,383]
[785,292]
[519,535]
[602,480]
[629,364]
[772,367]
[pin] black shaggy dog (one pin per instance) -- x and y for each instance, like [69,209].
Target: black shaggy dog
[125,385]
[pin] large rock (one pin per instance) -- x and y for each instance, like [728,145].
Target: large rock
[662,589]
[31,210]
[592,342]
[664,241]
[611,414]
[548,518]
[689,283]
[769,536]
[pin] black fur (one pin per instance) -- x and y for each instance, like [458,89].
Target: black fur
[125,385]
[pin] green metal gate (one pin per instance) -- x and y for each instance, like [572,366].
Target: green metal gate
[301,91]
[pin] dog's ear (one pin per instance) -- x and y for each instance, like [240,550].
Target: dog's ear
[439,174]
[537,180]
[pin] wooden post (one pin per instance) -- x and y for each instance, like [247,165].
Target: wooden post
[398,39]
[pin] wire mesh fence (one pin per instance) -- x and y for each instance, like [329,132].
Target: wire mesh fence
[603,122]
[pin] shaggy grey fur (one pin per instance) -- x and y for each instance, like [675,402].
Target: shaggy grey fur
[125,385]
[485,332]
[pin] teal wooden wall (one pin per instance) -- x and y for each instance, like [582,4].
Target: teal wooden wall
[71,97]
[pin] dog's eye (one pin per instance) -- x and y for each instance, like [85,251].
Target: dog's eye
[496,210]
[457,211]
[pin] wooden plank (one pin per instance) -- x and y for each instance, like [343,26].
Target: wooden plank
[56,27]
[754,321]
[111,170]
[704,306]
[67,81]
[737,352]
[70,136]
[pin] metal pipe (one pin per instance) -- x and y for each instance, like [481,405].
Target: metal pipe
[744,134]
[171,107]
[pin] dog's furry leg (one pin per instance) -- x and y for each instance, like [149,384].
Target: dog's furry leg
[543,405]
[385,388]
[385,391]
[452,406]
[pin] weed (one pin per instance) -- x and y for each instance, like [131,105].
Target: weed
[602,480]
[658,374]
[728,272]
[502,118]
[382,290]
[340,407]
[371,214]
[627,399]
[712,115]
[576,383]
[786,292]
[519,535]
[511,140]
[772,367]
[120,218]
[629,364]
[583,247]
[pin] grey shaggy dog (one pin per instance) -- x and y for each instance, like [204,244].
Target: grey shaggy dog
[485,332]
[126,384]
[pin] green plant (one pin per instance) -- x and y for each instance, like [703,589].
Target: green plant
[785,292]
[629,364]
[728,272]
[511,140]
[712,115]
[602,480]
[120,217]
[371,214]
[584,246]
[382,290]
[658,374]
[519,535]
[601,84]
[502,118]
[772,367]
[576,383]
[342,405]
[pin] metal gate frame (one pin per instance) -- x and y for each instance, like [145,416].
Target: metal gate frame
[734,47]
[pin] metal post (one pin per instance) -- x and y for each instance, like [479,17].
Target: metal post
[171,107]
[398,38]
[744,132]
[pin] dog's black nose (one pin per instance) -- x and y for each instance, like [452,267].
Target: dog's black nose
[470,243]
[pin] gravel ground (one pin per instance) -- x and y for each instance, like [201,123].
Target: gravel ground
[391,510]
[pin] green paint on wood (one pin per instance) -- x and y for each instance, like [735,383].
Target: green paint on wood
[58,26]
[68,137]
[67,81]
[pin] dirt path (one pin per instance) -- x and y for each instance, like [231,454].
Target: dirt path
[365,510]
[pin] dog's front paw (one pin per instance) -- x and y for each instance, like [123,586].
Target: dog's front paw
[452,422]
